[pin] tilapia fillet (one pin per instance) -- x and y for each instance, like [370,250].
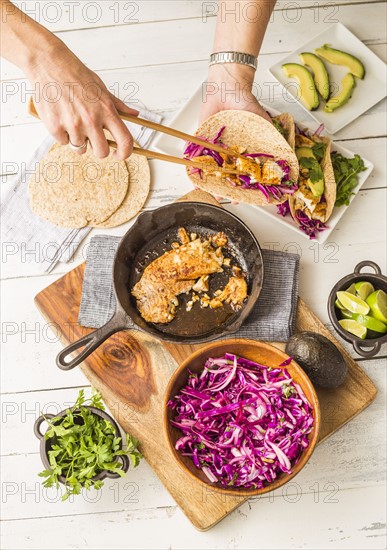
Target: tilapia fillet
[172,274]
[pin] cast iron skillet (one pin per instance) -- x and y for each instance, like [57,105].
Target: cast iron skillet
[146,240]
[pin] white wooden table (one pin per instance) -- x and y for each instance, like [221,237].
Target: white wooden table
[155,52]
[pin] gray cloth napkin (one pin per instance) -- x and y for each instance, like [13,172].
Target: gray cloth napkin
[273,318]
[47,244]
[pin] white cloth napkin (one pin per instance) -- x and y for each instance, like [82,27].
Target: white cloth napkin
[44,243]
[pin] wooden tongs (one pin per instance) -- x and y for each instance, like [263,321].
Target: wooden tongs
[165,130]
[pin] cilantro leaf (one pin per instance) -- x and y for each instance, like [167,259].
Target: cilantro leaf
[346,171]
[83,445]
[315,170]
[319,150]
[278,126]
[232,481]
[287,390]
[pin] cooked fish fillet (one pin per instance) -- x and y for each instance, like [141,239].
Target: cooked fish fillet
[311,205]
[174,273]
[157,302]
[250,166]
[201,284]
[272,173]
[235,292]
[305,198]
[303,141]
[183,236]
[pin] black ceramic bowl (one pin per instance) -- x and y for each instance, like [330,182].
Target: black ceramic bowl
[379,282]
[45,444]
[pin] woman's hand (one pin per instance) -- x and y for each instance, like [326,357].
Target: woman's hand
[72,101]
[229,86]
[76,106]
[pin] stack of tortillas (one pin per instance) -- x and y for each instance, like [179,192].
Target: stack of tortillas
[76,191]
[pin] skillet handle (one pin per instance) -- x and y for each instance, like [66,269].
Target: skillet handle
[91,342]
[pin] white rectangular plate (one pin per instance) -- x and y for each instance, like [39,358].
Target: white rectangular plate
[186,120]
[367,93]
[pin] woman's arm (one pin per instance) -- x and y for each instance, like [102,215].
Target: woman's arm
[240,27]
[72,100]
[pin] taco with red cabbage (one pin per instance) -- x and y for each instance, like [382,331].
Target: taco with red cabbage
[266,164]
[312,204]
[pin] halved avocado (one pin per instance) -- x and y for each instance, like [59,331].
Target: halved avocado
[317,187]
[321,78]
[309,96]
[337,57]
[319,358]
[347,86]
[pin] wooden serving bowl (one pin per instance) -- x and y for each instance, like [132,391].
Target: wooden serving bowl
[260,353]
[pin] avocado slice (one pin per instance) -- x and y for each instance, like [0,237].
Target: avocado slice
[304,152]
[321,78]
[347,86]
[337,57]
[309,96]
[317,187]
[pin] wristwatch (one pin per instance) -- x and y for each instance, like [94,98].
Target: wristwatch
[234,57]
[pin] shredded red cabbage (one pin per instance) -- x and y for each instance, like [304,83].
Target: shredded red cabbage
[308,226]
[287,186]
[308,133]
[243,423]
[319,130]
[256,155]
[193,150]
[283,209]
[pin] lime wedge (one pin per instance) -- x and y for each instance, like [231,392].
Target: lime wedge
[351,289]
[370,323]
[378,304]
[347,314]
[339,305]
[354,328]
[353,303]
[364,289]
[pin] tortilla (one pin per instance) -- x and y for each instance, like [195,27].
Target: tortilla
[287,122]
[329,176]
[244,129]
[138,191]
[73,191]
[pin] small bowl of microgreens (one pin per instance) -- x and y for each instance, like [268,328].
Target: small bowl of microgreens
[82,446]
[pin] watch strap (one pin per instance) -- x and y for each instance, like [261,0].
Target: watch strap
[234,57]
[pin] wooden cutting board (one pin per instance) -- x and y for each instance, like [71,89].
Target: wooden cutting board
[132,369]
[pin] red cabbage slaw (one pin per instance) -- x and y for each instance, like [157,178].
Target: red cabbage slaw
[243,423]
[308,226]
[287,187]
